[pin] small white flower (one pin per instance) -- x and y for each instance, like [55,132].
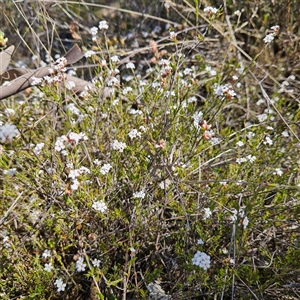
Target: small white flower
[75,185]
[96,262]
[237,13]
[140,194]
[143,128]
[70,85]
[127,90]
[100,206]
[245,222]
[261,118]
[200,242]
[278,172]
[275,28]
[164,62]
[269,38]
[240,144]
[173,35]
[113,81]
[38,148]
[233,217]
[59,144]
[260,102]
[103,25]
[97,162]
[241,160]
[197,119]
[285,133]
[10,172]
[48,267]
[8,132]
[73,109]
[207,213]
[250,135]
[251,158]
[60,285]
[89,53]
[9,111]
[94,30]
[192,99]
[210,71]
[46,253]
[80,265]
[268,141]
[7,242]
[115,59]
[74,173]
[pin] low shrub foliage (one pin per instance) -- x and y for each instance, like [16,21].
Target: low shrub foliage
[173,175]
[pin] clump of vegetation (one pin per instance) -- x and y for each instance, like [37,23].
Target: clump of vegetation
[165,166]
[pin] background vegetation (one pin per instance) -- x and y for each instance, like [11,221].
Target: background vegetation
[176,177]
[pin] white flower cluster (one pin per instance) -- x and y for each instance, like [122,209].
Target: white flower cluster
[210,71]
[130,65]
[201,260]
[38,148]
[270,37]
[116,145]
[197,116]
[140,194]
[105,169]
[250,158]
[224,90]
[103,25]
[56,74]
[8,132]
[73,109]
[166,68]
[69,140]
[100,206]
[134,133]
[210,10]
[76,173]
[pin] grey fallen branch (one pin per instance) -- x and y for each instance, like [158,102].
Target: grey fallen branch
[20,79]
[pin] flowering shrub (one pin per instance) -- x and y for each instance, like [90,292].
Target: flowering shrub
[173,174]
